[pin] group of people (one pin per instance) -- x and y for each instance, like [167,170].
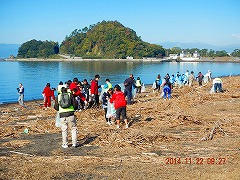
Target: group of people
[75,96]
[185,79]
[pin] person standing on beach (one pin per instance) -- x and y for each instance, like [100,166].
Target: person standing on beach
[138,85]
[47,94]
[207,77]
[191,78]
[21,95]
[94,90]
[200,78]
[128,83]
[67,117]
[108,85]
[107,96]
[86,88]
[118,98]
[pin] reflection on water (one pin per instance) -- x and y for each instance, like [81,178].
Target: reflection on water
[35,75]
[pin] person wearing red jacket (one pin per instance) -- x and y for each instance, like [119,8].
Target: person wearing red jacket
[118,98]
[75,88]
[94,90]
[48,93]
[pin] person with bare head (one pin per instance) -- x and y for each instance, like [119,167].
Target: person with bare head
[128,83]
[21,95]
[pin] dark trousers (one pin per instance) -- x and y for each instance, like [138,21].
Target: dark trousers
[128,93]
[218,86]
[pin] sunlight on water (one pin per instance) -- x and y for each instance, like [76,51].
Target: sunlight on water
[35,75]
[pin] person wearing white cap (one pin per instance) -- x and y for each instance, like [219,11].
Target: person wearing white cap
[207,76]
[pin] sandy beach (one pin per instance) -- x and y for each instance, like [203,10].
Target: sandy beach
[195,135]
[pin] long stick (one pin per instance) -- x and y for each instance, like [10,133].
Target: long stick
[21,153]
[221,129]
[211,134]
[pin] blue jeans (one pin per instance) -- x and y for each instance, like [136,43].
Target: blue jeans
[128,93]
[167,92]
[20,99]
[218,86]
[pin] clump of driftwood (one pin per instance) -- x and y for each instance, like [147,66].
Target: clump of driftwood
[213,131]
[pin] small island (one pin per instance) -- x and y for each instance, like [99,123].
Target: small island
[110,40]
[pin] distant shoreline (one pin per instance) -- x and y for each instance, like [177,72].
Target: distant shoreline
[40,100]
[77,59]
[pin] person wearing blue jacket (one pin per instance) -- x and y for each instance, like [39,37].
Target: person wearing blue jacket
[167,89]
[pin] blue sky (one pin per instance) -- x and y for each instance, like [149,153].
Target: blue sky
[215,22]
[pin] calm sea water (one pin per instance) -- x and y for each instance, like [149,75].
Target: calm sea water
[35,75]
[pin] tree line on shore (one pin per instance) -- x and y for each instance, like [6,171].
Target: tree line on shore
[107,40]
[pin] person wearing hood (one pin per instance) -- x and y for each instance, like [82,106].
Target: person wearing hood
[138,85]
[208,77]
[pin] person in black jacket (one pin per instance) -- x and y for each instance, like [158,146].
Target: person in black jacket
[106,96]
[129,83]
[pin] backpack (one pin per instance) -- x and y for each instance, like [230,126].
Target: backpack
[65,100]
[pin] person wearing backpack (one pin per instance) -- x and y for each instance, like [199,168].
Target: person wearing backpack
[66,105]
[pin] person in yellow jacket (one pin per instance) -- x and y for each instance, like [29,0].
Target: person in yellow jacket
[108,85]
[66,105]
[138,85]
[217,85]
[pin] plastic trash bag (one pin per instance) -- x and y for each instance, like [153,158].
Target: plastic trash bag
[154,85]
[162,94]
[134,92]
[143,88]
[102,91]
[111,112]
[212,89]
[58,122]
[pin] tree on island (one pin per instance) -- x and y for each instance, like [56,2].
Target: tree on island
[38,49]
[109,40]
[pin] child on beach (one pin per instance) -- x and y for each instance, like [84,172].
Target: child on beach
[200,78]
[158,82]
[105,98]
[138,85]
[47,94]
[167,89]
[120,104]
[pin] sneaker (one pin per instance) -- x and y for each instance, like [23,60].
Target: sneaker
[75,145]
[65,146]
[126,126]
[118,127]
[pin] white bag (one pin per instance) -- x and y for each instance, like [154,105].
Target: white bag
[143,88]
[154,85]
[111,112]
[212,90]
[58,122]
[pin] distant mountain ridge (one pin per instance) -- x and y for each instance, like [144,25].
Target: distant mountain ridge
[229,48]
[8,49]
